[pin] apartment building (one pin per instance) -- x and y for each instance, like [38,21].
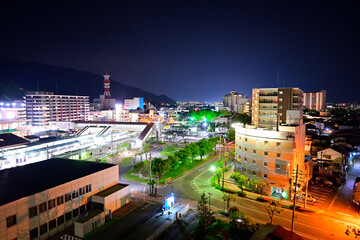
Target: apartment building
[41,199]
[237,102]
[271,155]
[315,100]
[42,107]
[269,105]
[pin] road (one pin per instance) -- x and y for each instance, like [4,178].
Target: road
[190,186]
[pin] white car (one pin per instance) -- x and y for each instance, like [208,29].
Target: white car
[310,198]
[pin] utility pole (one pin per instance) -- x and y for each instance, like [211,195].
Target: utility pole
[150,172]
[307,184]
[223,157]
[294,200]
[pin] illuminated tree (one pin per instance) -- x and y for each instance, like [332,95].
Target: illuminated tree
[273,207]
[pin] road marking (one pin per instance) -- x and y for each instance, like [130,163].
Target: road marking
[344,214]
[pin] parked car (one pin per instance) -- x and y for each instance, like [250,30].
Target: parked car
[310,198]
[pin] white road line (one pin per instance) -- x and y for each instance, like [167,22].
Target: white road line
[345,214]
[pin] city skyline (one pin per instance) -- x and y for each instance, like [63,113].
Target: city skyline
[204,49]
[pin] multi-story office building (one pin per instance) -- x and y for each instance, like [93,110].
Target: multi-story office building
[133,104]
[315,100]
[42,107]
[41,199]
[269,105]
[237,102]
[271,155]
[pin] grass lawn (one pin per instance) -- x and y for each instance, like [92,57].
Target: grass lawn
[130,177]
[168,150]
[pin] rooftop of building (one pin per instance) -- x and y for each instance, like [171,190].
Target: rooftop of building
[111,190]
[9,139]
[27,180]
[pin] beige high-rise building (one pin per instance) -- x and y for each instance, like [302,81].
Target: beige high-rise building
[269,105]
[315,100]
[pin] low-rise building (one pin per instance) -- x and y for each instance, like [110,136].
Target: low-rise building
[41,199]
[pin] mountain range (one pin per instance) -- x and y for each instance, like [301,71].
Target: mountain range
[17,77]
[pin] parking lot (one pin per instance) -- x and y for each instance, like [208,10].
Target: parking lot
[323,196]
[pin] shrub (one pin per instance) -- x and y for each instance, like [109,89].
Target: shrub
[138,166]
[261,199]
[241,194]
[161,143]
[233,209]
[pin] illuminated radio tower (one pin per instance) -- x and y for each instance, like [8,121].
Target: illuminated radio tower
[107,85]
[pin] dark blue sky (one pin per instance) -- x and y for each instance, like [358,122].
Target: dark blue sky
[194,50]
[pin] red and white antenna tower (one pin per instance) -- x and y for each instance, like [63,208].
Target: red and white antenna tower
[107,85]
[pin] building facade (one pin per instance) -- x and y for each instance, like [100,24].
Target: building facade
[269,105]
[42,107]
[62,193]
[271,156]
[133,104]
[315,100]
[237,102]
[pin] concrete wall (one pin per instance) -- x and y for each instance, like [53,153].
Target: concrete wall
[81,229]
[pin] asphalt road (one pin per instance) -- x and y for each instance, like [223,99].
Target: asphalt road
[190,186]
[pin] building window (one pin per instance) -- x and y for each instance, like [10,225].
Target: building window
[52,224]
[254,173]
[34,233]
[254,151]
[67,197]
[245,159]
[68,216]
[277,166]
[245,139]
[42,208]
[265,175]
[245,149]
[51,204]
[75,194]
[266,153]
[87,188]
[280,107]
[280,99]
[278,144]
[43,229]
[254,161]
[278,155]
[60,220]
[266,142]
[82,209]
[11,220]
[265,164]
[33,212]
[60,200]
[75,212]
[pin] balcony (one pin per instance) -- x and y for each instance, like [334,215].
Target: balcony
[270,94]
[268,109]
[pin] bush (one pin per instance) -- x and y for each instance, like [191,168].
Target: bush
[161,143]
[233,209]
[261,199]
[138,166]
[241,194]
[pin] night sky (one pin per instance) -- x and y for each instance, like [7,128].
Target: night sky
[194,50]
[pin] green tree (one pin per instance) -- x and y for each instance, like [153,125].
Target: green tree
[160,167]
[146,148]
[230,134]
[218,174]
[242,118]
[128,161]
[203,147]
[173,161]
[273,207]
[151,185]
[241,181]
[227,198]
[194,150]
[205,216]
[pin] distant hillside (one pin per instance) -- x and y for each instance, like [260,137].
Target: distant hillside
[17,77]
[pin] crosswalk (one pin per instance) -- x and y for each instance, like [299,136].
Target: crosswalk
[322,196]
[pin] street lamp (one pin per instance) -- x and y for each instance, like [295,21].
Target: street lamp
[209,201]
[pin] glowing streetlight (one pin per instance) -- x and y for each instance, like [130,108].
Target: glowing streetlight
[212,168]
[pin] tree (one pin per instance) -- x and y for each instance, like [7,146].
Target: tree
[242,118]
[227,198]
[146,148]
[218,174]
[173,161]
[273,207]
[151,184]
[241,181]
[203,147]
[230,134]
[205,216]
[128,160]
[194,150]
[160,167]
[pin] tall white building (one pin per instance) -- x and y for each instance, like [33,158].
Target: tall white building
[237,102]
[315,100]
[133,104]
[42,107]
